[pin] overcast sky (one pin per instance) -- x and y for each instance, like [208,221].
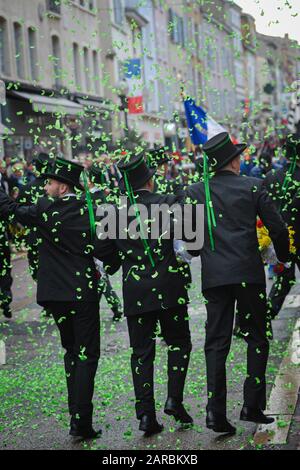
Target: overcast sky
[274,17]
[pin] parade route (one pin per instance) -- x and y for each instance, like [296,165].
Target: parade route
[34,414]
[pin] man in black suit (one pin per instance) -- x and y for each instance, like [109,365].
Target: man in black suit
[232,271]
[155,288]
[282,186]
[66,281]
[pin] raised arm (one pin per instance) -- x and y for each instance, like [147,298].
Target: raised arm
[26,215]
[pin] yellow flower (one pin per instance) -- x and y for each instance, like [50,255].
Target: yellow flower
[263,237]
[292,240]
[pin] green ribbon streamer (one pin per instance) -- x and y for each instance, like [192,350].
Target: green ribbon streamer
[211,220]
[90,206]
[138,215]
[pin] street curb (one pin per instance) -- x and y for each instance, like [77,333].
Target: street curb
[284,395]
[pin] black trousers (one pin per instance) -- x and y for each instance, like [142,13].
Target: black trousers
[105,288]
[5,274]
[79,327]
[252,313]
[281,287]
[175,330]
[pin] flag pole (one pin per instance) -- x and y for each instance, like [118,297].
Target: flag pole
[211,221]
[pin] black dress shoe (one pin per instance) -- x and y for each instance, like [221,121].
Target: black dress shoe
[150,425]
[7,312]
[255,415]
[84,431]
[219,423]
[174,407]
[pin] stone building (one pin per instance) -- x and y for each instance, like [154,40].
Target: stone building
[51,65]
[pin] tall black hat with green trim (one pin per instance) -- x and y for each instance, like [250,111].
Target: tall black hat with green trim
[220,150]
[42,162]
[96,174]
[136,171]
[156,157]
[65,171]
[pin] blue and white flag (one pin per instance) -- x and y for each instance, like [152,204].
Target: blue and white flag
[133,76]
[201,126]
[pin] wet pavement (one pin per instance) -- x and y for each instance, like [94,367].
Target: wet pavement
[33,413]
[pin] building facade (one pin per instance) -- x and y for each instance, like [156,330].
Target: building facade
[52,72]
[64,69]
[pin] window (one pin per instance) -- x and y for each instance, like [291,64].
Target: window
[197,38]
[86,68]
[19,54]
[76,60]
[32,53]
[4,56]
[118,11]
[178,28]
[54,6]
[56,60]
[96,73]
[173,25]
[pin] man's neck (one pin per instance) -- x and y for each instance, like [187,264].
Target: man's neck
[230,170]
[67,194]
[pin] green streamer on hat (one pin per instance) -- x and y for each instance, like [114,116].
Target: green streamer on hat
[211,220]
[131,197]
[90,206]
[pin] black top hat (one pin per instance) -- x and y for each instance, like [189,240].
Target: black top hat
[136,171]
[65,171]
[96,174]
[42,161]
[220,150]
[292,146]
[156,157]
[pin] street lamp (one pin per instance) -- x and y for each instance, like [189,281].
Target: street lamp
[122,90]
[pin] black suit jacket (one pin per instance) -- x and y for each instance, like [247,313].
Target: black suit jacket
[147,288]
[274,181]
[66,267]
[237,202]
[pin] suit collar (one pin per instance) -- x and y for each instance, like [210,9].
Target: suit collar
[225,173]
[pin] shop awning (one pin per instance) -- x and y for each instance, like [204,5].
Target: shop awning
[45,104]
[92,105]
